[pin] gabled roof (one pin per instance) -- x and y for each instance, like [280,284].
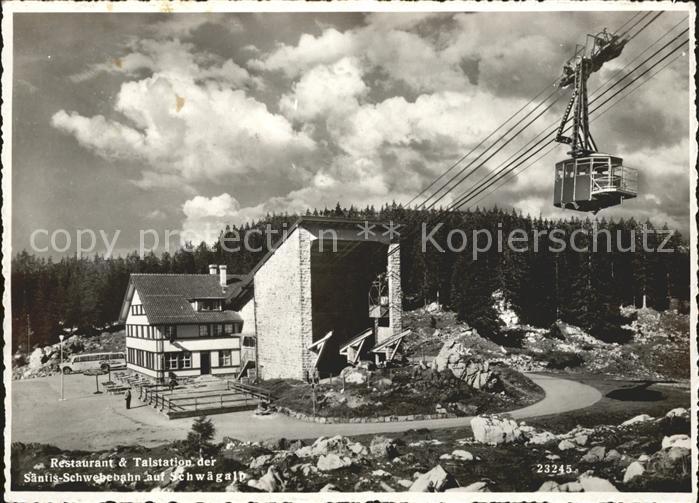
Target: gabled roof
[166,298]
[188,286]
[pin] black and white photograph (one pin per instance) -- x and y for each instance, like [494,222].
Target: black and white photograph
[349,251]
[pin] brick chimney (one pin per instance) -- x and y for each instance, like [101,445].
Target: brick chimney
[213,269]
[223,270]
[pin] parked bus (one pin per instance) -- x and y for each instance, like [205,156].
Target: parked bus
[104,361]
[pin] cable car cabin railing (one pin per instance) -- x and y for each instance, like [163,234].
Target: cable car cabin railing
[593,182]
[616,178]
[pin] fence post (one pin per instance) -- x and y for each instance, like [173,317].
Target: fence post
[195,403]
[221,397]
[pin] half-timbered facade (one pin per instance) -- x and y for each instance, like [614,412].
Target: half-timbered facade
[177,323]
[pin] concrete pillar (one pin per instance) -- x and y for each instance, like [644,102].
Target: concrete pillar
[306,307]
[395,293]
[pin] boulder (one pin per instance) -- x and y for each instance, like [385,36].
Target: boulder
[383,447]
[548,487]
[591,483]
[565,445]
[476,487]
[433,307]
[354,375]
[331,462]
[633,470]
[36,359]
[612,456]
[358,449]
[457,359]
[678,412]
[541,437]
[270,482]
[594,455]
[580,439]
[680,440]
[329,488]
[436,480]
[667,462]
[495,430]
[260,461]
[642,418]
[551,486]
[462,455]
[675,454]
[386,487]
[380,473]
[405,483]
[324,445]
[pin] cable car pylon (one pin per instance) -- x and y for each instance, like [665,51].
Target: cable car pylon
[589,180]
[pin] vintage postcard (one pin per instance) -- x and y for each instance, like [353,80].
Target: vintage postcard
[353,251]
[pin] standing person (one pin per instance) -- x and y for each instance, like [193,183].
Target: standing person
[173,381]
[127,399]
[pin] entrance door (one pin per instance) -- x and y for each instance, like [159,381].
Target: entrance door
[205,359]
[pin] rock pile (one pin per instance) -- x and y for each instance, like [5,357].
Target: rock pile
[495,429]
[44,361]
[457,359]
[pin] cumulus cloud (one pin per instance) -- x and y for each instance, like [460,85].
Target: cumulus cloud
[188,122]
[310,51]
[205,217]
[369,114]
[325,89]
[174,58]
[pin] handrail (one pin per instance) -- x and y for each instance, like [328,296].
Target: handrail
[179,399]
[255,391]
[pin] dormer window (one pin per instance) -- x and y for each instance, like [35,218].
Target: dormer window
[209,305]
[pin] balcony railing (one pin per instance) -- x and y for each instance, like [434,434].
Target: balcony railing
[615,179]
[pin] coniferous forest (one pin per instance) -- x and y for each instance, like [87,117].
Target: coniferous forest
[582,288]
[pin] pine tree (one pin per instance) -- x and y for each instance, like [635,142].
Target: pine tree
[199,439]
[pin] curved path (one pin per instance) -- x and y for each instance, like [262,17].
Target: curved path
[93,422]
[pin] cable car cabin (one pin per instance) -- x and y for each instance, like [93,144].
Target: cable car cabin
[594,182]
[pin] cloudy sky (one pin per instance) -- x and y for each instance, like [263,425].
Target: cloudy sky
[179,121]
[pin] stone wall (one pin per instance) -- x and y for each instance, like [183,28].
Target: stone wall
[306,308]
[281,313]
[395,293]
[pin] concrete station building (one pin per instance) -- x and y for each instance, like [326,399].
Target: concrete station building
[329,292]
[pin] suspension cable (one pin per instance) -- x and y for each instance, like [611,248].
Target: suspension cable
[549,151]
[464,198]
[442,187]
[515,135]
[596,98]
[461,159]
